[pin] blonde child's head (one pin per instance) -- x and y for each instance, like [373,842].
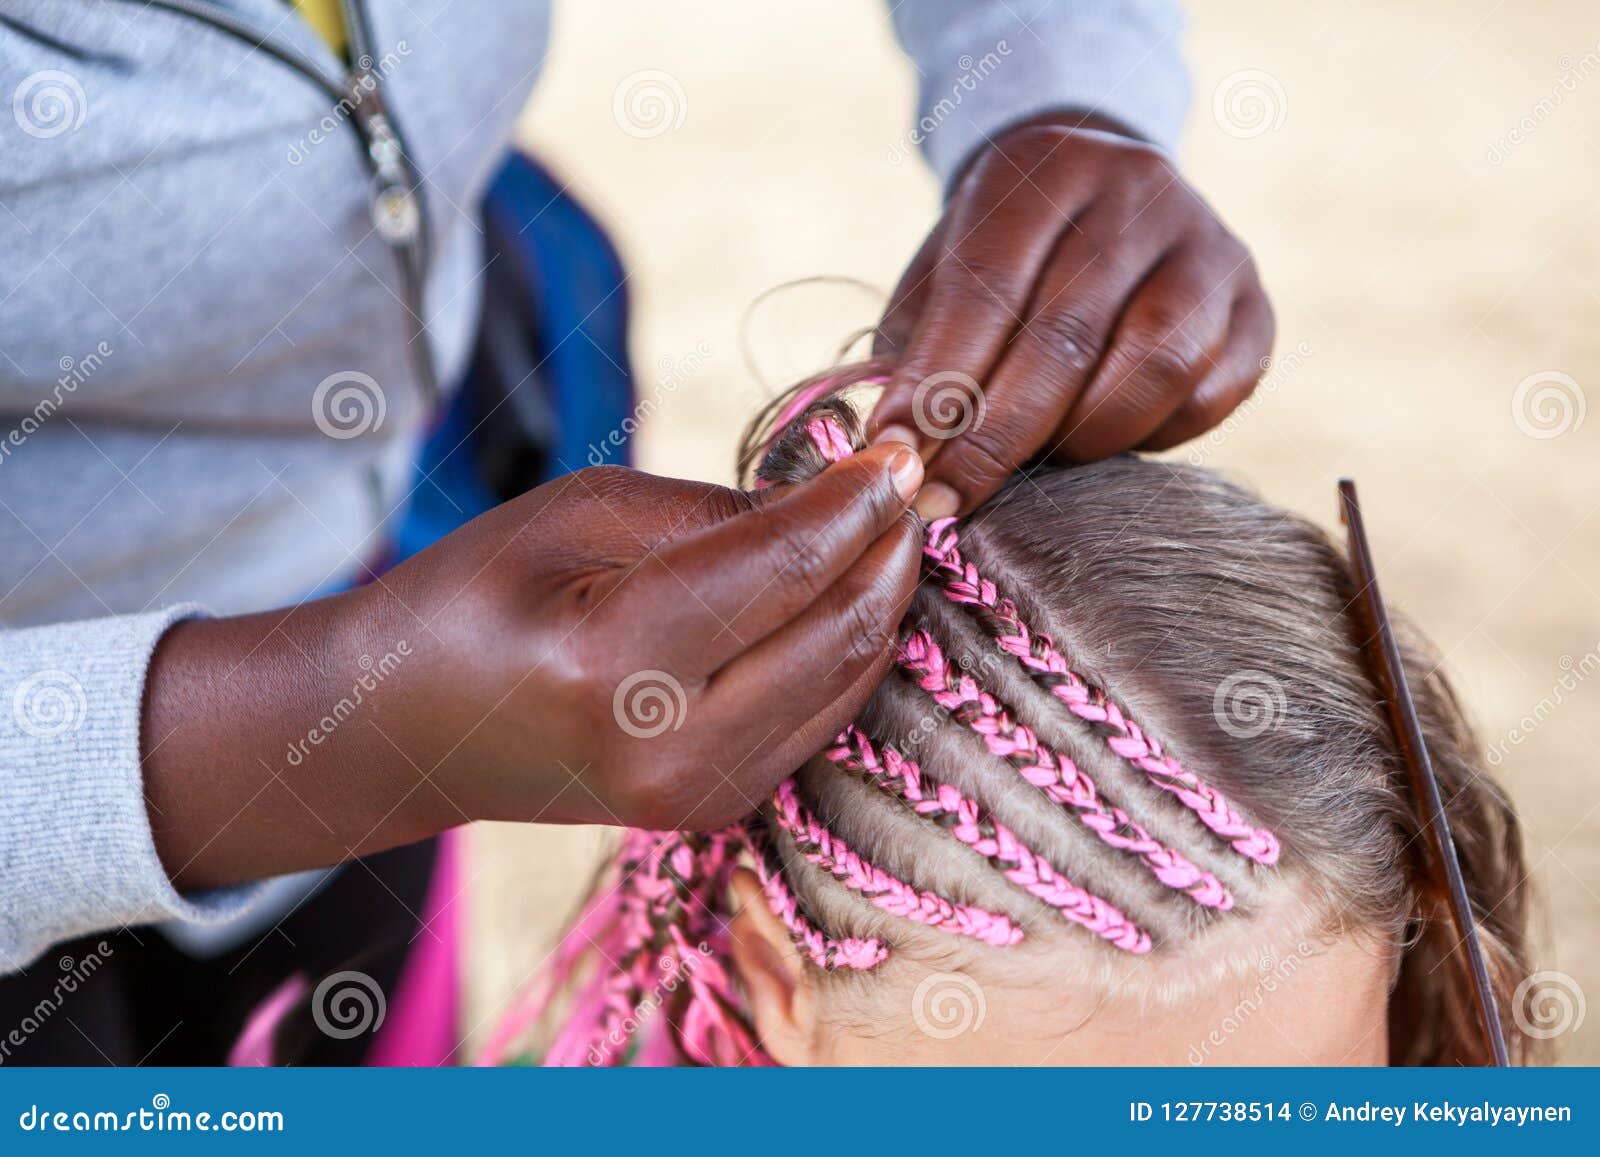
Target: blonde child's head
[1129,796]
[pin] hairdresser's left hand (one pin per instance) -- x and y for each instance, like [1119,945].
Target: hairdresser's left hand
[1087,293]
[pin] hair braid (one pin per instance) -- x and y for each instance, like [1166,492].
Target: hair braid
[1057,776]
[1042,660]
[966,820]
[824,849]
[822,950]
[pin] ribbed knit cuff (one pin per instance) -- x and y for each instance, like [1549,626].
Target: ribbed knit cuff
[76,850]
[992,66]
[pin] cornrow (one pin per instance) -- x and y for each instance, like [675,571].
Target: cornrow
[1044,662]
[828,852]
[1055,775]
[657,931]
[822,950]
[964,819]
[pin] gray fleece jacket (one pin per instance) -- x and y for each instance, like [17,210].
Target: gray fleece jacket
[216,355]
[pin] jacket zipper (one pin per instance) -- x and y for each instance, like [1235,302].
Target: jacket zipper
[397,207]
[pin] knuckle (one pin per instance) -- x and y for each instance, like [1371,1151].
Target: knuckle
[723,503]
[805,574]
[872,625]
[1269,321]
[1235,252]
[1069,338]
[608,479]
[1171,318]
[1174,358]
[984,456]
[981,278]
[1146,163]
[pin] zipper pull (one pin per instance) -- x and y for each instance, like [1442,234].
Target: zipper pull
[396,215]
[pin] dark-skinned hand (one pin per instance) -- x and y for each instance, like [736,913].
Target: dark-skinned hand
[609,648]
[1077,299]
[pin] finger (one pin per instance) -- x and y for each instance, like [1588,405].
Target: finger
[910,297]
[1232,381]
[714,594]
[783,700]
[997,243]
[1049,362]
[1168,340]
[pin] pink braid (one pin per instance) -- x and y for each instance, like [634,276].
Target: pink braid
[1057,776]
[822,950]
[965,820]
[830,438]
[658,933]
[1039,655]
[822,848]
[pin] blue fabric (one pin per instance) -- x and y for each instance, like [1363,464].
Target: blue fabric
[570,277]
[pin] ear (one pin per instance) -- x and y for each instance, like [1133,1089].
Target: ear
[776,980]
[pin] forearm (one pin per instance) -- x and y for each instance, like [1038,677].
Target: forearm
[263,745]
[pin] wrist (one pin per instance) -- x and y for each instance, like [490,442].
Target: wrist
[256,758]
[1073,121]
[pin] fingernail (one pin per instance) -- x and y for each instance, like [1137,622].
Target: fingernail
[937,501]
[900,434]
[906,470]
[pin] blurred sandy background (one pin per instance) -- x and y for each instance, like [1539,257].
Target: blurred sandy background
[1417,181]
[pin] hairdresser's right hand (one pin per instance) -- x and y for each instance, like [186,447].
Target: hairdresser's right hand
[611,648]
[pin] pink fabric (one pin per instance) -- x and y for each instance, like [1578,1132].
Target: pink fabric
[420,1022]
[255,1046]
[420,1027]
